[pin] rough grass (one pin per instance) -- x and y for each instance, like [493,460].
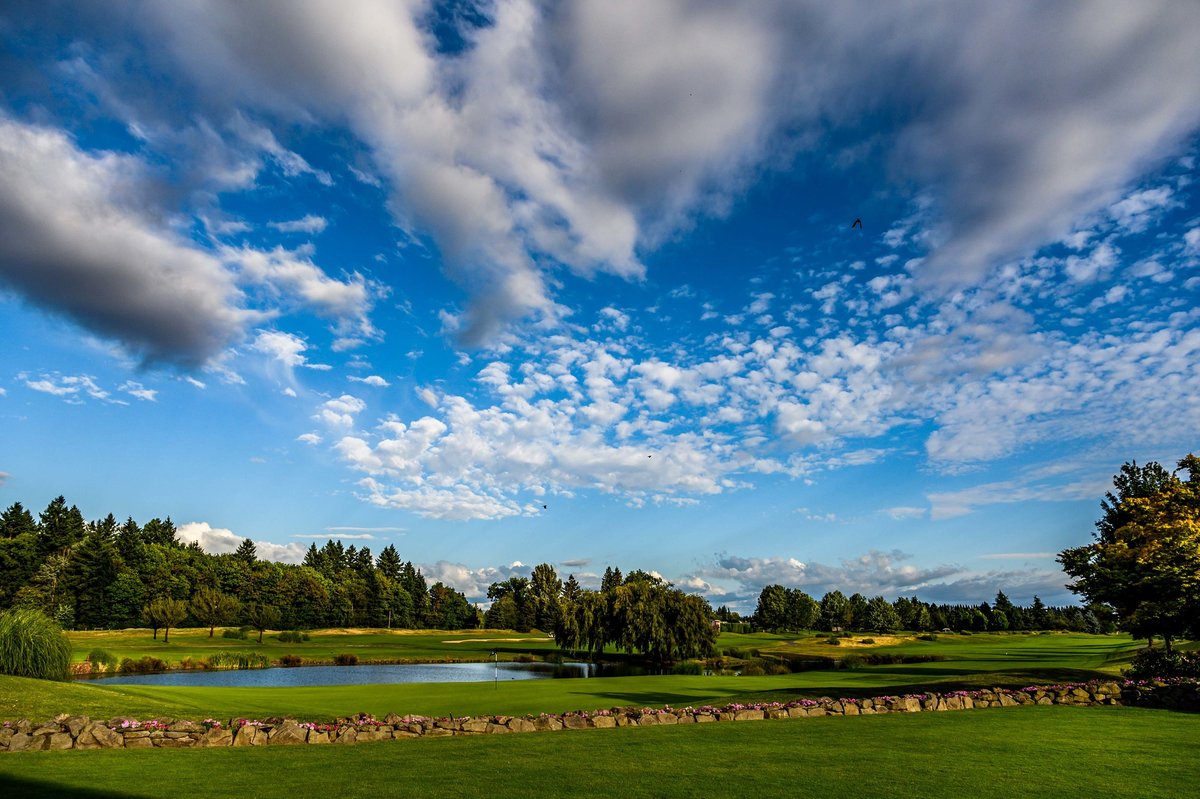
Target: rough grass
[1026,752]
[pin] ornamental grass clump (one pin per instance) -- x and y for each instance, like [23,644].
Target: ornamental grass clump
[33,645]
[237,661]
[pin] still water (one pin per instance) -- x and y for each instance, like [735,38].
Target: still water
[305,676]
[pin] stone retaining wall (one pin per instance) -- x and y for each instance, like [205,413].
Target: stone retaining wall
[80,732]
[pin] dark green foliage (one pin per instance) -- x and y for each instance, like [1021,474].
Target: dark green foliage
[545,590]
[145,665]
[262,617]
[239,634]
[165,613]
[1144,561]
[881,616]
[835,611]
[101,656]
[33,645]
[15,521]
[290,660]
[160,532]
[1151,663]
[59,526]
[345,659]
[246,552]
[449,609]
[293,637]
[388,563]
[1132,482]
[648,617]
[210,607]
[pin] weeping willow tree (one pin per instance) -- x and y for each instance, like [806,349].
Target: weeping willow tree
[33,645]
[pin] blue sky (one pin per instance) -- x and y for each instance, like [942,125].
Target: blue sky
[510,283]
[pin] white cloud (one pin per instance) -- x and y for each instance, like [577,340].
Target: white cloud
[136,389]
[287,348]
[370,380]
[309,438]
[295,278]
[310,223]
[72,388]
[222,541]
[340,412]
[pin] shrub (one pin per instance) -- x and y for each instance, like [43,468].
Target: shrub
[345,659]
[835,641]
[927,637]
[101,656]
[778,668]
[853,662]
[688,667]
[293,637]
[289,660]
[147,665]
[33,645]
[867,641]
[753,669]
[238,634]
[1150,663]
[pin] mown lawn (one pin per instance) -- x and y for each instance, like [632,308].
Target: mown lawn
[971,662]
[1001,753]
[367,645]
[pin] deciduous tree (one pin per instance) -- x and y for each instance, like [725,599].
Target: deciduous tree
[1145,560]
[211,607]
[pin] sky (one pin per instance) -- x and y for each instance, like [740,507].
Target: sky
[850,296]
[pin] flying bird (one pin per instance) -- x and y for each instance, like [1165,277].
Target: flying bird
[857,224]
[545,507]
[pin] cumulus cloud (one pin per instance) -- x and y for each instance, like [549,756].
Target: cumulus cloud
[222,541]
[370,380]
[473,583]
[77,238]
[577,135]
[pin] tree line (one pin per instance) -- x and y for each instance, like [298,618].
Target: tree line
[783,609]
[110,575]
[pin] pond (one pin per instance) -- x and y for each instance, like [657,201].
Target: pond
[305,676]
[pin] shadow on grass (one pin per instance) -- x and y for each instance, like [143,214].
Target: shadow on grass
[16,787]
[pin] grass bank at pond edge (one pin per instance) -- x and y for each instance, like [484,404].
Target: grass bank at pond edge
[1029,752]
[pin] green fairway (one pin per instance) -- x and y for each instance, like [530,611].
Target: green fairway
[1027,752]
[971,662]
